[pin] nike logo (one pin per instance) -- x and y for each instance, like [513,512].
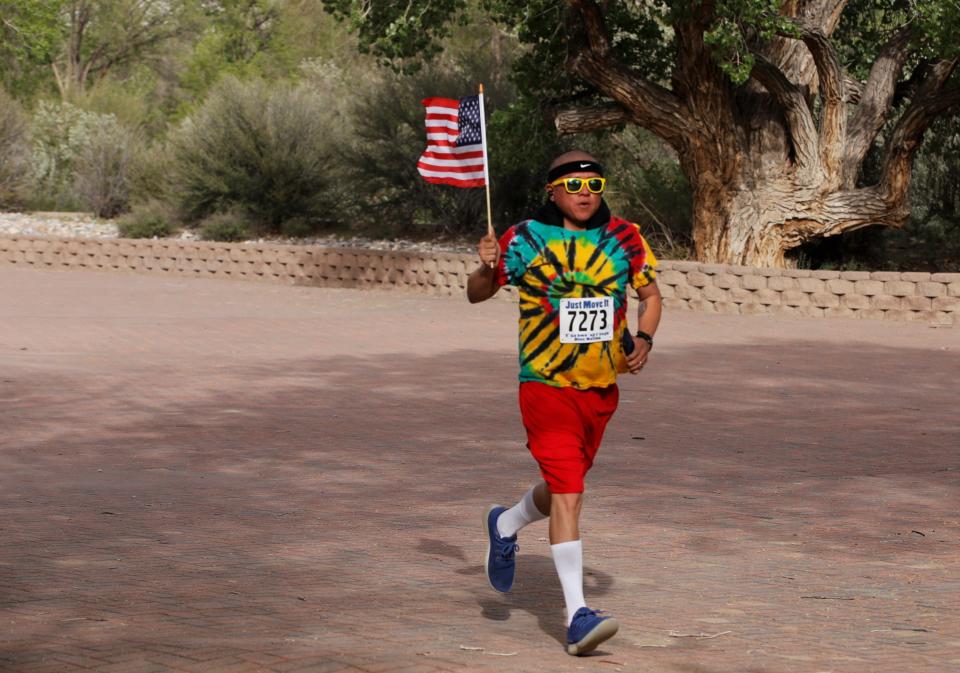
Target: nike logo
[584,165]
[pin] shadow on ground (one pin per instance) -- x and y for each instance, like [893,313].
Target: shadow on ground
[285,498]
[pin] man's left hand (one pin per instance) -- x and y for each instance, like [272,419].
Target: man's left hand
[638,358]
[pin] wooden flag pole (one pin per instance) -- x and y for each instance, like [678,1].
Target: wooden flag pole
[486,171]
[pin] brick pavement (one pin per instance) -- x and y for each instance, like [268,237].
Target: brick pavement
[212,477]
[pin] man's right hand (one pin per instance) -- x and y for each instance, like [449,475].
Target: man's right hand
[489,250]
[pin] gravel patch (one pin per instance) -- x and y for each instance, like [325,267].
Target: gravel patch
[69,225]
[84,225]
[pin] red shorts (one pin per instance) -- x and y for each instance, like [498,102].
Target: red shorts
[564,429]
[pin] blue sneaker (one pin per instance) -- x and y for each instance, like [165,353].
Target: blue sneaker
[587,630]
[501,552]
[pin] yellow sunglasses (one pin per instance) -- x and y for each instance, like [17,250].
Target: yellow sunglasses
[575,185]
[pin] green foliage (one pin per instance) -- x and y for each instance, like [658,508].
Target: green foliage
[61,134]
[150,220]
[939,23]
[14,152]
[239,34]
[150,174]
[399,32]
[133,101]
[265,150]
[30,31]
[866,25]
[737,24]
[638,36]
[864,28]
[227,227]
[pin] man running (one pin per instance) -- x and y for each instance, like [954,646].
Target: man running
[572,264]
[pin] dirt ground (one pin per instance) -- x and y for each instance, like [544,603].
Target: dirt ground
[213,476]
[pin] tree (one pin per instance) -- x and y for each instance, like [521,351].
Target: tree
[770,125]
[104,34]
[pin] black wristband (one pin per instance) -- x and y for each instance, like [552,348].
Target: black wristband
[646,337]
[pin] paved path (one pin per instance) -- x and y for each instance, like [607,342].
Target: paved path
[219,477]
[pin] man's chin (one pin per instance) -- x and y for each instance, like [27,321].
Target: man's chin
[582,218]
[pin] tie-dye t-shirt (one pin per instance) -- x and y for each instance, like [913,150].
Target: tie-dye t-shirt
[547,263]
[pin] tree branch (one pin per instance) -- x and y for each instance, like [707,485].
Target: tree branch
[803,131]
[61,87]
[875,102]
[586,119]
[788,54]
[833,120]
[648,104]
[933,99]
[822,15]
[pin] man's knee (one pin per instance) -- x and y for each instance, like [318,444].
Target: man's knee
[567,502]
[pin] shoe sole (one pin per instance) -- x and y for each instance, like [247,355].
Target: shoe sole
[603,631]
[486,559]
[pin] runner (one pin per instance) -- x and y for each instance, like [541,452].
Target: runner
[572,264]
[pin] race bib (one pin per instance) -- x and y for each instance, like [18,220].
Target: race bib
[586,320]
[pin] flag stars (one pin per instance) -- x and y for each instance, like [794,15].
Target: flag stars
[468,122]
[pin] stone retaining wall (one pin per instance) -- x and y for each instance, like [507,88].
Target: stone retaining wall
[932,298]
[886,295]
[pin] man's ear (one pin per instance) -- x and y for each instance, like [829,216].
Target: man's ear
[549,193]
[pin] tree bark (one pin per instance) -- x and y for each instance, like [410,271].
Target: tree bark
[758,227]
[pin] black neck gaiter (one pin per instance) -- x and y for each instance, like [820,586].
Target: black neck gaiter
[548,213]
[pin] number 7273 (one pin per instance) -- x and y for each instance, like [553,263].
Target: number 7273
[584,316]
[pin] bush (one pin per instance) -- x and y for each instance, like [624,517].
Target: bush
[103,169]
[147,221]
[150,174]
[228,227]
[297,227]
[267,151]
[60,133]
[14,153]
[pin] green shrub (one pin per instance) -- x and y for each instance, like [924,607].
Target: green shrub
[61,133]
[103,169]
[229,227]
[150,174]
[14,153]
[264,150]
[146,221]
[298,227]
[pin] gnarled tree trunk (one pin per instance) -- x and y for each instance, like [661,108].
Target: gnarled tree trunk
[769,169]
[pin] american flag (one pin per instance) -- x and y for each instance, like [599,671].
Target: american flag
[454,154]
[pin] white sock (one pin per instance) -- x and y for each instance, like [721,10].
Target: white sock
[568,557]
[518,516]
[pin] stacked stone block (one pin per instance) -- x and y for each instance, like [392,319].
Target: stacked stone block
[716,288]
[926,297]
